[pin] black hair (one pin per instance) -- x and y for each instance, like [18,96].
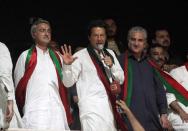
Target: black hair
[96,23]
[155,46]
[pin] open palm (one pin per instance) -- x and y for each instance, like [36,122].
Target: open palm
[67,56]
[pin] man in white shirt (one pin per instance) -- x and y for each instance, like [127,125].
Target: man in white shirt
[177,113]
[38,83]
[93,69]
[179,117]
[9,115]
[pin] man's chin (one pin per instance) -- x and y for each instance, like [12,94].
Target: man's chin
[44,43]
[136,51]
[160,64]
[100,46]
[166,45]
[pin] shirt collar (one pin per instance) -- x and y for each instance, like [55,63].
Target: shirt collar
[41,51]
[130,55]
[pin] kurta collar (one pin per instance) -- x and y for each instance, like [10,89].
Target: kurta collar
[130,55]
[41,51]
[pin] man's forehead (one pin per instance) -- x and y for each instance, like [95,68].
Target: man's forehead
[43,25]
[109,21]
[162,32]
[139,35]
[157,49]
[97,29]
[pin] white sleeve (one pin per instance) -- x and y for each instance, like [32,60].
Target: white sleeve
[170,98]
[6,71]
[116,69]
[9,86]
[19,68]
[71,73]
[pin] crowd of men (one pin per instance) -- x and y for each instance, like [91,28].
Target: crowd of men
[105,86]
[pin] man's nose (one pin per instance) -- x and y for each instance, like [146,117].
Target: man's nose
[99,38]
[47,33]
[136,42]
[161,57]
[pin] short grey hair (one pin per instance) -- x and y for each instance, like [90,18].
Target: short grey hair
[137,29]
[37,22]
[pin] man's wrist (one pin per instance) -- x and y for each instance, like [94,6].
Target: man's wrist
[10,101]
[164,115]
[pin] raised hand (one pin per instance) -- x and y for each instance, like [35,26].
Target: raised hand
[67,56]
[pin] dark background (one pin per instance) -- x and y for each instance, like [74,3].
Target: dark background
[69,20]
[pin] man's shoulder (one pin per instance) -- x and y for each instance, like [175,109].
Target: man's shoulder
[178,69]
[3,46]
[110,51]
[23,54]
[81,52]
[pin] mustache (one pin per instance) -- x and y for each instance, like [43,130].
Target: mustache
[46,36]
[166,41]
[160,59]
[135,45]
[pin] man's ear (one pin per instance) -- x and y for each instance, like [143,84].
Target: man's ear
[129,44]
[33,35]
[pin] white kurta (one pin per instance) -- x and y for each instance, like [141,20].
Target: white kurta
[181,75]
[7,89]
[94,105]
[43,107]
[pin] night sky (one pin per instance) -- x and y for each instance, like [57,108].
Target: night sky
[69,20]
